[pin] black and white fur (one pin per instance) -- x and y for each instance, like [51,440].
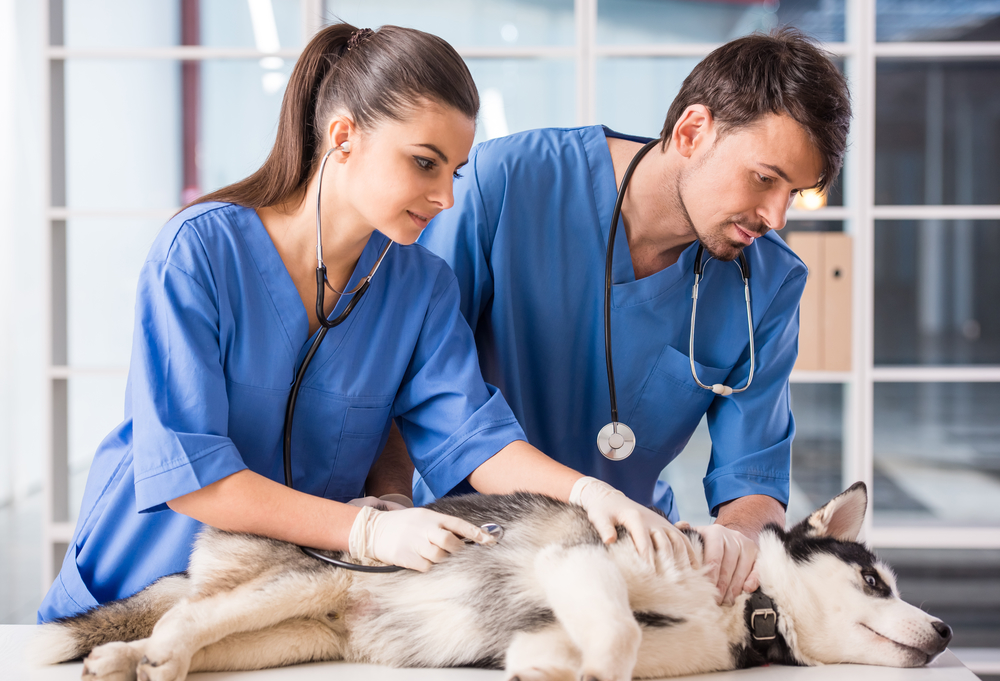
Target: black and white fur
[550,601]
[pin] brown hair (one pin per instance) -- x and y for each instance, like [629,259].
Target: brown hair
[372,76]
[780,73]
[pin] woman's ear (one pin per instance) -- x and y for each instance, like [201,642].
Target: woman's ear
[340,134]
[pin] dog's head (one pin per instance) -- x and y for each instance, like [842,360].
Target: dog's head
[837,602]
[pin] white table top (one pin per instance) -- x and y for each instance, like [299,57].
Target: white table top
[14,637]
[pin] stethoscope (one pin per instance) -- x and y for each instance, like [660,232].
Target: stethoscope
[616,441]
[493,529]
[358,292]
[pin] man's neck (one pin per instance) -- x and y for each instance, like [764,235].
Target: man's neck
[654,221]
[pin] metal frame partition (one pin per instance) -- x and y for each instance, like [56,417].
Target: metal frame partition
[860,52]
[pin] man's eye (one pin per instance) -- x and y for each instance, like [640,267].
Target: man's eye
[764,179]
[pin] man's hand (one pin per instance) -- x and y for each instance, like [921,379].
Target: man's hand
[607,507]
[731,555]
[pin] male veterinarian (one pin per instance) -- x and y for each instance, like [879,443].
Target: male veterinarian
[759,120]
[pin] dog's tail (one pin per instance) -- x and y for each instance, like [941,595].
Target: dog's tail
[130,619]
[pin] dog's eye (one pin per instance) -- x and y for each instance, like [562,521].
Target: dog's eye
[870,580]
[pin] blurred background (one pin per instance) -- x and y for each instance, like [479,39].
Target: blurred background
[113,113]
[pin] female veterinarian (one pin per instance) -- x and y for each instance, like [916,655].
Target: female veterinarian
[224,319]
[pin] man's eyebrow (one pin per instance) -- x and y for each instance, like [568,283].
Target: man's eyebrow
[444,159]
[776,170]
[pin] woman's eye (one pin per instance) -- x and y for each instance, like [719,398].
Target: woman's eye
[457,174]
[424,163]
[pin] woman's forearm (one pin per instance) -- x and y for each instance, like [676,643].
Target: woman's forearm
[249,502]
[519,467]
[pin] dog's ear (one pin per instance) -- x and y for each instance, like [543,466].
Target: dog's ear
[841,518]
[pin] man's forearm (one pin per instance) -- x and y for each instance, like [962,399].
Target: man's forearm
[750,514]
[392,472]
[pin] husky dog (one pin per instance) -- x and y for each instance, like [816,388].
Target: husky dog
[549,601]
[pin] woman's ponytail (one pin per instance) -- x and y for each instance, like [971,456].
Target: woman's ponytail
[372,76]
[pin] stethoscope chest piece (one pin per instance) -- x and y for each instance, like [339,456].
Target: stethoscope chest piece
[616,441]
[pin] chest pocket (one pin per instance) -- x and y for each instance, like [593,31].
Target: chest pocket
[361,442]
[671,403]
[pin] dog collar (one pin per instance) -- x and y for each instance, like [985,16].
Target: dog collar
[761,617]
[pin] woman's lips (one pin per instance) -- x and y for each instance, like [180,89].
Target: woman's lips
[419,220]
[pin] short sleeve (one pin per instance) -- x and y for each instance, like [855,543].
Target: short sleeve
[752,431]
[177,395]
[451,420]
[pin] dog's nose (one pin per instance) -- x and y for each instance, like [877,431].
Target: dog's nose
[943,630]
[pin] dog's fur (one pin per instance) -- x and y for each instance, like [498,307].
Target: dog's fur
[549,601]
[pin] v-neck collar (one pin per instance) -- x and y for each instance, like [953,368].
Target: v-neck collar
[278,281]
[626,290]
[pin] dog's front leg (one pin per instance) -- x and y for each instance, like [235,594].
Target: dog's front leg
[589,597]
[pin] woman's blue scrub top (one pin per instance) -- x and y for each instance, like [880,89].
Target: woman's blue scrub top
[527,239]
[220,331]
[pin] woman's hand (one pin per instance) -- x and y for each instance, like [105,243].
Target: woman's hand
[607,507]
[413,538]
[386,502]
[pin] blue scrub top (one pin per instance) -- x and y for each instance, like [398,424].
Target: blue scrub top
[527,239]
[220,331]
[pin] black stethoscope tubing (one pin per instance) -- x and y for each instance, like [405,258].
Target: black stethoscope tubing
[325,325]
[612,444]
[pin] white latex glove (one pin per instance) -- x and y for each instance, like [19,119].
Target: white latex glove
[732,556]
[413,538]
[386,502]
[607,507]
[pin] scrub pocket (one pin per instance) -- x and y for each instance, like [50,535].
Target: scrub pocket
[361,442]
[672,404]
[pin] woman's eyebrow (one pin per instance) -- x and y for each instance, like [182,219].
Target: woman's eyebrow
[444,159]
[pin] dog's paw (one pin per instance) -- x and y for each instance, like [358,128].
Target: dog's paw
[542,674]
[163,667]
[112,662]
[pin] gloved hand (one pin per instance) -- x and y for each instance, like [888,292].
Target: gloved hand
[413,538]
[386,502]
[732,556]
[607,507]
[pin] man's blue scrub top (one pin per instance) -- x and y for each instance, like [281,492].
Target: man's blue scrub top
[527,240]
[220,330]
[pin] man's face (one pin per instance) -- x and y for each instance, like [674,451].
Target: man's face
[740,186]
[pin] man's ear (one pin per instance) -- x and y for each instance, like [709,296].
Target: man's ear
[841,518]
[695,128]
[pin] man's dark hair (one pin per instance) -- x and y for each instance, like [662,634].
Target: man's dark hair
[781,73]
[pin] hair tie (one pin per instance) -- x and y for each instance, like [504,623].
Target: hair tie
[359,37]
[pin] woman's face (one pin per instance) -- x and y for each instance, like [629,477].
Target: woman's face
[399,175]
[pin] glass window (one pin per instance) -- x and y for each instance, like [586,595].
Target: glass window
[937,132]
[934,20]
[937,454]
[651,83]
[123,133]
[817,455]
[95,406]
[103,258]
[817,451]
[522,94]
[124,137]
[812,226]
[266,25]
[936,286]
[494,23]
[625,22]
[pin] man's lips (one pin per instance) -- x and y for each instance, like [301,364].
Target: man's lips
[745,235]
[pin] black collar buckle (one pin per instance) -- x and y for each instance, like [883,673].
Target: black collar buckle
[761,617]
